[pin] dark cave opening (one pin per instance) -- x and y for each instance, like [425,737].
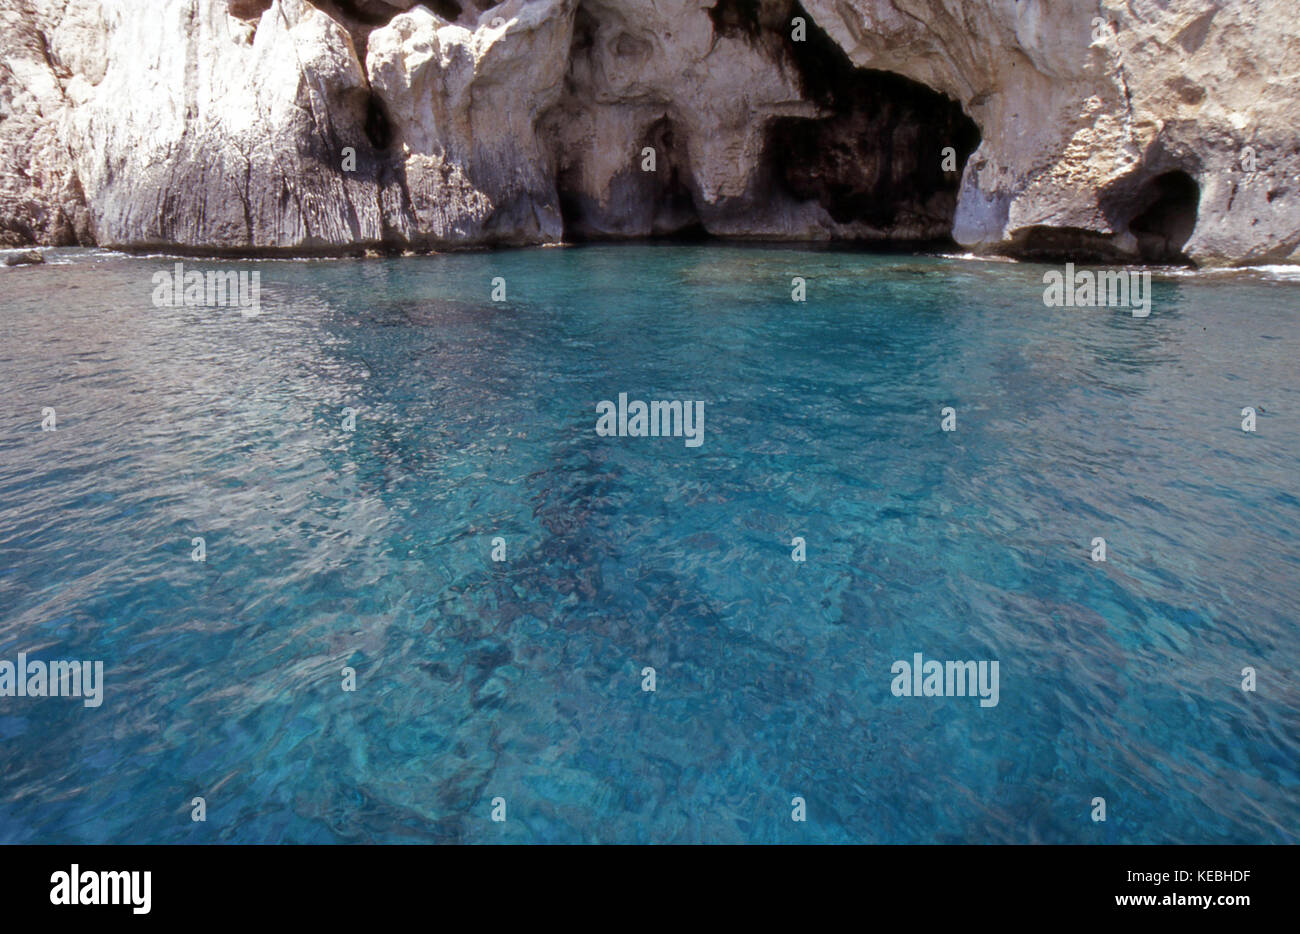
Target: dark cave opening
[877,155]
[585,27]
[671,202]
[248,9]
[367,12]
[1167,209]
[641,201]
[449,10]
[654,204]
[740,17]
[360,17]
[378,126]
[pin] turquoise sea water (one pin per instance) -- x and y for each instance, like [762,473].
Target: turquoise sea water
[522,679]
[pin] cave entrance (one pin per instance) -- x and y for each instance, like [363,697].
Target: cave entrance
[1166,218]
[880,162]
[656,203]
[643,200]
[885,158]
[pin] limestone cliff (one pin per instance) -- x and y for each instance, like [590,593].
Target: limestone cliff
[1126,129]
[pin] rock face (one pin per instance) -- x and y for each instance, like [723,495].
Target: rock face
[41,201]
[1110,127]
[25,258]
[1157,130]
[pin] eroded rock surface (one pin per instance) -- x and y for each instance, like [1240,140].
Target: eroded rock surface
[1086,112]
[1160,130]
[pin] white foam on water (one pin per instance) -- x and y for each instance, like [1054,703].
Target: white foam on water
[975,257]
[1277,271]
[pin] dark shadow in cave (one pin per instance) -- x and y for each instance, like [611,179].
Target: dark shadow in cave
[671,201]
[360,17]
[1167,206]
[376,12]
[248,9]
[657,204]
[641,204]
[748,18]
[876,157]
[379,128]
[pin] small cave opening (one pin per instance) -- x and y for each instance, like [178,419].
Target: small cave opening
[1167,206]
[360,138]
[360,17]
[366,12]
[652,194]
[248,9]
[876,158]
[657,203]
[667,192]
[449,10]
[583,40]
[740,17]
[378,125]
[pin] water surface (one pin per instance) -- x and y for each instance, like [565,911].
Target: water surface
[521,679]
